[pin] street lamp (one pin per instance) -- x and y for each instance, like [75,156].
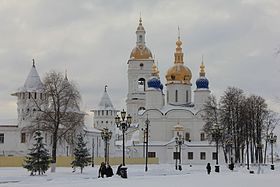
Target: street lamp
[216,135]
[92,153]
[123,124]
[272,139]
[106,136]
[147,122]
[179,141]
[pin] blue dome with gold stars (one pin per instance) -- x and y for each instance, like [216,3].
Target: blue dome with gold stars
[202,82]
[154,82]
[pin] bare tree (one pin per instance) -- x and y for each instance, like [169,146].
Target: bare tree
[58,111]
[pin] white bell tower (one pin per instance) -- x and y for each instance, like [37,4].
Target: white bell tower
[139,71]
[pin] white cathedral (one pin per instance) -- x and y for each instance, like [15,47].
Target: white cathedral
[172,114]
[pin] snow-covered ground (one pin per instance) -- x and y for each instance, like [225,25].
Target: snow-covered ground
[157,176]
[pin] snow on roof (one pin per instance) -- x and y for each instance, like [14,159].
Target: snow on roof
[91,129]
[105,103]
[165,109]
[8,123]
[32,82]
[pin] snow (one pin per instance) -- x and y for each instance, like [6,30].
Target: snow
[163,175]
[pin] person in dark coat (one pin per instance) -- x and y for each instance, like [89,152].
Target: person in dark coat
[102,170]
[208,168]
[119,170]
[109,171]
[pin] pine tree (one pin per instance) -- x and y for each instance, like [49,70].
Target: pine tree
[81,154]
[38,160]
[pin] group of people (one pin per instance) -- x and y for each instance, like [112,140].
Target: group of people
[105,170]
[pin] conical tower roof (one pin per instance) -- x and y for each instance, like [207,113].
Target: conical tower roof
[33,82]
[105,103]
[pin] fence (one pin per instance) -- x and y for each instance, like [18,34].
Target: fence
[63,161]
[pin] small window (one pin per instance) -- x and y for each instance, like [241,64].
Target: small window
[190,155]
[140,38]
[102,112]
[107,112]
[202,155]
[187,96]
[176,96]
[214,156]
[35,95]
[173,77]
[151,154]
[187,136]
[141,65]
[202,136]
[1,137]
[23,138]
[29,95]
[41,96]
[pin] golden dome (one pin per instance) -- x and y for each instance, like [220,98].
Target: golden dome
[155,71]
[179,73]
[141,52]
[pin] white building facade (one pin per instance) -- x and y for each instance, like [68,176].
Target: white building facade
[172,114]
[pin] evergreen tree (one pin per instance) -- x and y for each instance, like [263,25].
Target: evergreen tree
[81,154]
[38,160]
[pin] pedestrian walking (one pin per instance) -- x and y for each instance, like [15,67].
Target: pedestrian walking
[208,168]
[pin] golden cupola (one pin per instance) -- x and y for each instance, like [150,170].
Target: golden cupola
[140,52]
[179,73]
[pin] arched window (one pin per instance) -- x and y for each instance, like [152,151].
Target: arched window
[141,108]
[140,38]
[35,95]
[176,96]
[29,95]
[141,84]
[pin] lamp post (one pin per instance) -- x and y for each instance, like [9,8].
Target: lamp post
[272,139]
[123,124]
[106,136]
[147,122]
[179,141]
[216,135]
[92,153]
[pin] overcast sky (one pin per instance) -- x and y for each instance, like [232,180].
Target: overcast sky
[93,41]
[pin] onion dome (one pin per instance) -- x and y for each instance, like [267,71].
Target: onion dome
[154,81]
[178,73]
[202,82]
[141,51]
